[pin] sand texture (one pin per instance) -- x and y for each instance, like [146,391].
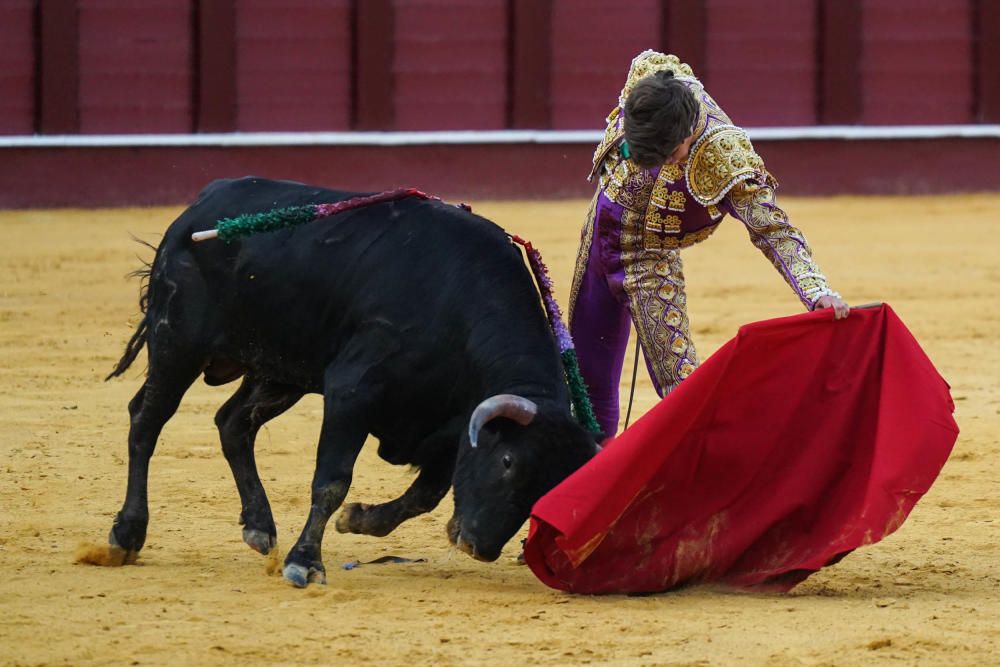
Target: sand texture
[929,594]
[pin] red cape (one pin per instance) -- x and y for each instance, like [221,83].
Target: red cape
[800,440]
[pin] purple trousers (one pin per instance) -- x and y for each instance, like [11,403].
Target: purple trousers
[618,281]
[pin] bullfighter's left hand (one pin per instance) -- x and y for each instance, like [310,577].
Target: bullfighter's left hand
[840,307]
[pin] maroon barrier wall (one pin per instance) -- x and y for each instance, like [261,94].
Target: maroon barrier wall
[592,43]
[114,176]
[450,65]
[762,64]
[17,68]
[108,66]
[190,66]
[135,70]
[922,70]
[293,66]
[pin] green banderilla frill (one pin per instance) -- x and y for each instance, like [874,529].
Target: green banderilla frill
[582,408]
[231,229]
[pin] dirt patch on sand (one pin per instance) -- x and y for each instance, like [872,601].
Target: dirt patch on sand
[929,594]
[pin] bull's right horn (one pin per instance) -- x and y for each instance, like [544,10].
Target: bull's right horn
[510,406]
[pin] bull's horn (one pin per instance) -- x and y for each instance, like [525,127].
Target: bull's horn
[510,406]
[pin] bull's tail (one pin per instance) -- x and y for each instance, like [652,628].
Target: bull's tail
[132,349]
[138,339]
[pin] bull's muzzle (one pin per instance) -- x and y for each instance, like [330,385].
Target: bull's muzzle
[455,537]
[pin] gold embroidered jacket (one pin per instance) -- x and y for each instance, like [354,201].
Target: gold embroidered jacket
[681,206]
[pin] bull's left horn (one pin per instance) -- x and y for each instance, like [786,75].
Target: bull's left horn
[510,406]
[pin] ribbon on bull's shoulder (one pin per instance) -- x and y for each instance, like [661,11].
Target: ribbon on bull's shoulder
[582,408]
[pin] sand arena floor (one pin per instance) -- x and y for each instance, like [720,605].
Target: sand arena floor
[930,594]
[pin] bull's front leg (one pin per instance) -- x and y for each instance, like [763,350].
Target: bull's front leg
[427,490]
[341,438]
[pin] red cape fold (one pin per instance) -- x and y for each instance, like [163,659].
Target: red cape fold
[800,440]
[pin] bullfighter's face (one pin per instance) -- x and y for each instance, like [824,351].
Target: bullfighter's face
[680,154]
[497,482]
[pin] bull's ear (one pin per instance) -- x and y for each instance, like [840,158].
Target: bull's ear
[599,439]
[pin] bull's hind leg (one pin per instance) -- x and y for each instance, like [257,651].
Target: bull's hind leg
[427,490]
[149,410]
[255,403]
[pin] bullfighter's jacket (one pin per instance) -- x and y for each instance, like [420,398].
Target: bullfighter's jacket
[653,213]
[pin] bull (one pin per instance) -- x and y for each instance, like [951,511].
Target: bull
[417,322]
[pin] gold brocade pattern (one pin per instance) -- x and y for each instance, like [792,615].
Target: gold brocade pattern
[676,201]
[613,135]
[649,62]
[583,254]
[662,226]
[628,185]
[782,243]
[688,240]
[710,114]
[720,158]
[654,285]
[651,234]
[671,173]
[671,224]
[653,238]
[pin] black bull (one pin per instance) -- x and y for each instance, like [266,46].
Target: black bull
[418,322]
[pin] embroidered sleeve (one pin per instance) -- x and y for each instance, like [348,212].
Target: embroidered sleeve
[782,243]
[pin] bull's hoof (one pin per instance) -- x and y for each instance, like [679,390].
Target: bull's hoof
[259,541]
[105,555]
[128,533]
[453,529]
[301,576]
[351,519]
[117,554]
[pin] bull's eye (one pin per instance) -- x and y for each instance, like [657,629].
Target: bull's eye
[507,461]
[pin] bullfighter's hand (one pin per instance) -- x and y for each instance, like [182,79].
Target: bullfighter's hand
[840,307]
